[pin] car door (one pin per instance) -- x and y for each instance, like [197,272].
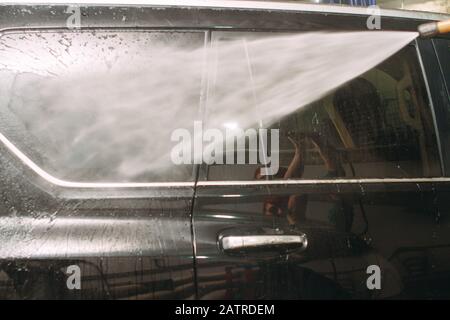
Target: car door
[435,57]
[363,193]
[92,205]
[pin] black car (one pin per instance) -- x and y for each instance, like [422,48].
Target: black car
[372,215]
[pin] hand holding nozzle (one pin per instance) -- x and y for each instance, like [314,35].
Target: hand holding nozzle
[434,28]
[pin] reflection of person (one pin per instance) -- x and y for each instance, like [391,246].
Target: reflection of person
[329,155]
[293,207]
[284,206]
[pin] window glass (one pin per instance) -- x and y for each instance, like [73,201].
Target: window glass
[378,125]
[442,96]
[442,47]
[100,106]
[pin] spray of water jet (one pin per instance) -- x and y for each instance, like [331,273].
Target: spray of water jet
[90,115]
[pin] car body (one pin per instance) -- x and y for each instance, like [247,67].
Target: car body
[165,238]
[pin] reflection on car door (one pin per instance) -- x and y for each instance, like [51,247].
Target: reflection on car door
[126,238]
[435,55]
[362,205]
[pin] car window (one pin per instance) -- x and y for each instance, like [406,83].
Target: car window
[442,47]
[99,106]
[378,125]
[442,94]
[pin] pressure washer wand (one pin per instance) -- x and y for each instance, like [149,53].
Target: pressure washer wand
[434,28]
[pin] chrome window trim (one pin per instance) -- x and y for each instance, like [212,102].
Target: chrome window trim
[431,104]
[244,4]
[73,184]
[320,181]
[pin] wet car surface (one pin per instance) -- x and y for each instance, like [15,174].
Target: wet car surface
[373,189]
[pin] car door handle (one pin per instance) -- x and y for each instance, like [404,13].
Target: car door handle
[233,243]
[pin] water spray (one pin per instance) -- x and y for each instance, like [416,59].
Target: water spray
[119,117]
[432,29]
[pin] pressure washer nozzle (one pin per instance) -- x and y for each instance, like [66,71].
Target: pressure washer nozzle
[434,28]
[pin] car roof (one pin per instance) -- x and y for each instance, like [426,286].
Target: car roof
[250,4]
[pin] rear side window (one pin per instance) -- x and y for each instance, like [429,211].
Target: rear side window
[378,125]
[94,106]
[442,95]
[442,47]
